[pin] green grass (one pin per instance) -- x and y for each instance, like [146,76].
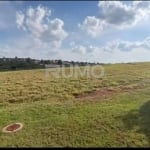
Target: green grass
[53,117]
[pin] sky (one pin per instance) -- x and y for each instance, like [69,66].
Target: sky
[93,31]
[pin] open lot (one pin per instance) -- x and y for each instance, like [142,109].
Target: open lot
[111,111]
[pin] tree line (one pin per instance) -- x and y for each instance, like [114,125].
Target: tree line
[11,64]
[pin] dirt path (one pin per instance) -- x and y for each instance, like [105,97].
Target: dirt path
[107,92]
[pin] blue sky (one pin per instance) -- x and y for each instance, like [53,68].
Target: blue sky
[95,31]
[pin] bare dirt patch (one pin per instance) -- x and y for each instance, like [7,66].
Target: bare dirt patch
[103,92]
[106,92]
[12,128]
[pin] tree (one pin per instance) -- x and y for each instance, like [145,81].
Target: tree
[60,62]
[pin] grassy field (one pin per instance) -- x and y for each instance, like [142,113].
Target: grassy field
[113,111]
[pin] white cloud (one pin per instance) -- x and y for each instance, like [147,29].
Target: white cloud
[128,45]
[112,52]
[37,22]
[84,50]
[92,25]
[136,55]
[79,49]
[115,51]
[20,20]
[26,46]
[141,4]
[116,14]
[119,13]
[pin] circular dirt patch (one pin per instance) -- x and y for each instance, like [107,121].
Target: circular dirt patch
[12,128]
